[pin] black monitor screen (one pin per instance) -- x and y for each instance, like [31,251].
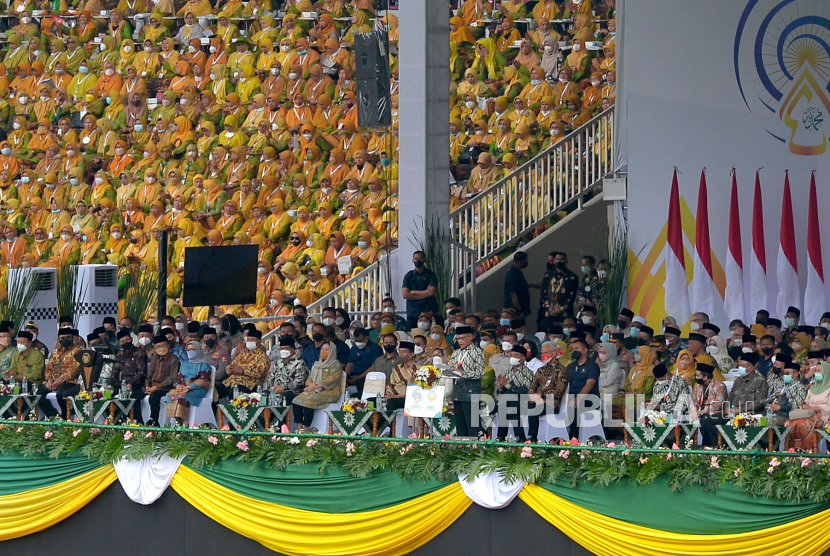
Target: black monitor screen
[220,275]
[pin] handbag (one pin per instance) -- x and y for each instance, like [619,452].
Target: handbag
[801,414]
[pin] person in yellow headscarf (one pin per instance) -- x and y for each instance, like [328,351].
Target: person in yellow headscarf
[578,60]
[489,62]
[296,246]
[641,377]
[215,199]
[230,221]
[326,221]
[155,30]
[293,279]
[315,252]
[255,223]
[245,198]
[304,223]
[67,249]
[364,253]
[220,85]
[150,190]
[278,222]
[360,24]
[190,235]
[156,216]
[117,243]
[248,84]
[316,287]
[91,247]
[267,34]
[232,136]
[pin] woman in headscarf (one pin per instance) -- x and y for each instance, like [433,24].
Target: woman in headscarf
[278,223]
[73,159]
[489,62]
[132,216]
[255,223]
[117,243]
[122,159]
[685,366]
[215,198]
[323,387]
[248,84]
[245,198]
[232,136]
[611,376]
[460,33]
[816,408]
[91,247]
[293,279]
[641,377]
[365,253]
[137,249]
[716,348]
[190,30]
[551,58]
[296,246]
[578,60]
[800,345]
[136,112]
[41,248]
[156,216]
[304,223]
[67,249]
[230,222]
[191,385]
[238,167]
[316,287]
[57,219]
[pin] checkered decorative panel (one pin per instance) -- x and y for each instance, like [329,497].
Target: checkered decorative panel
[42,313]
[98,308]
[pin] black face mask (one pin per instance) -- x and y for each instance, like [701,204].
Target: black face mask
[768,350]
[286,337]
[560,265]
[133,240]
[642,342]
[776,370]
[66,342]
[389,349]
[622,324]
[317,337]
[210,342]
[419,264]
[576,355]
[127,347]
[699,380]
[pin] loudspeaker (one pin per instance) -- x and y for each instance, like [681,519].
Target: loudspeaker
[371,56]
[374,104]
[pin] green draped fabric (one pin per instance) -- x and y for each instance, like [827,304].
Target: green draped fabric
[19,473]
[692,511]
[302,486]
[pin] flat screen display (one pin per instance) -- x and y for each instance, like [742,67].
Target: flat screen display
[220,275]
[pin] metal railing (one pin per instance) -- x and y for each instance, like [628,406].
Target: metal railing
[463,273]
[550,182]
[363,292]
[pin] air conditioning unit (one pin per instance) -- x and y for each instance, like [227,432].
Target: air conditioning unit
[97,293]
[44,308]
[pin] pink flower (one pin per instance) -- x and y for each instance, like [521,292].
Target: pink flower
[574,442]
[446,437]
[714,462]
[527,452]
[565,454]
[226,427]
[738,471]
[284,429]
[128,435]
[213,440]
[770,469]
[643,460]
[774,462]
[612,445]
[149,435]
[668,457]
[805,462]
[75,433]
[350,448]
[311,443]
[674,446]
[19,429]
[95,430]
[500,449]
[47,435]
[242,445]
[413,435]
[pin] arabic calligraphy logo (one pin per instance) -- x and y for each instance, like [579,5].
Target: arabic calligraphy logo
[782,64]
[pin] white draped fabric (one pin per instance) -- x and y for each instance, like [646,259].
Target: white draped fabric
[490,491]
[144,481]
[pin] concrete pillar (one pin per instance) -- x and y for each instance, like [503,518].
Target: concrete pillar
[424,95]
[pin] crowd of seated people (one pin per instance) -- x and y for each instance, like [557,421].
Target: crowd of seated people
[525,74]
[233,123]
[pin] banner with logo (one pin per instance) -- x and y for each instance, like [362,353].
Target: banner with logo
[717,85]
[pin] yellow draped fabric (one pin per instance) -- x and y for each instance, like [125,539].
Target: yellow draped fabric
[35,510]
[395,530]
[610,537]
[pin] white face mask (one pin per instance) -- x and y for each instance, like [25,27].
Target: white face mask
[309,243]
[419,350]
[99,181]
[128,49]
[261,270]
[519,336]
[423,325]
[506,346]
[564,80]
[250,345]
[577,47]
[292,75]
[145,341]
[360,345]
[43,98]
[694,326]
[116,235]
[213,76]
[339,321]
[27,20]
[274,71]
[180,326]
[515,361]
[548,50]
[285,47]
[586,319]
[470,104]
[212,49]
[218,328]
[328,321]
[711,350]
[307,136]
[435,337]
[16,125]
[595,83]
[191,49]
[65,237]
[285,354]
[437,360]
[148,49]
[483,344]
[22,347]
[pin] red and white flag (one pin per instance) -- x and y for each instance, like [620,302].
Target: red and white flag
[703,282]
[677,289]
[733,302]
[758,297]
[815,300]
[787,265]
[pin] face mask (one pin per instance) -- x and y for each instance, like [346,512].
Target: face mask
[423,325]
[577,47]
[28,19]
[66,342]
[515,361]
[535,81]
[788,379]
[73,181]
[137,127]
[741,371]
[437,360]
[83,69]
[520,336]
[22,347]
[435,337]
[747,350]
[128,49]
[317,337]
[711,350]
[603,357]
[218,329]
[469,104]
[213,76]
[339,321]
[148,49]
[209,343]
[389,349]
[360,345]
[180,326]
[694,326]
[699,381]
[548,50]
[307,136]
[602,274]
[563,80]
[151,179]
[737,343]
[6,151]
[192,355]
[789,322]
[16,125]
[292,75]
[250,345]
[25,179]
[184,102]
[622,324]
[84,238]
[328,321]
[70,153]
[566,331]
[634,332]
[483,344]
[480,132]
[767,350]
[605,337]
[65,237]
[504,322]
[506,346]
[595,83]
[818,377]
[145,341]
[577,355]
[586,319]
[637,357]
[166,102]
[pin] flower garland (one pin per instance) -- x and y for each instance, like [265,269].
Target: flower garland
[653,418]
[426,377]
[247,400]
[747,420]
[353,404]
[777,477]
